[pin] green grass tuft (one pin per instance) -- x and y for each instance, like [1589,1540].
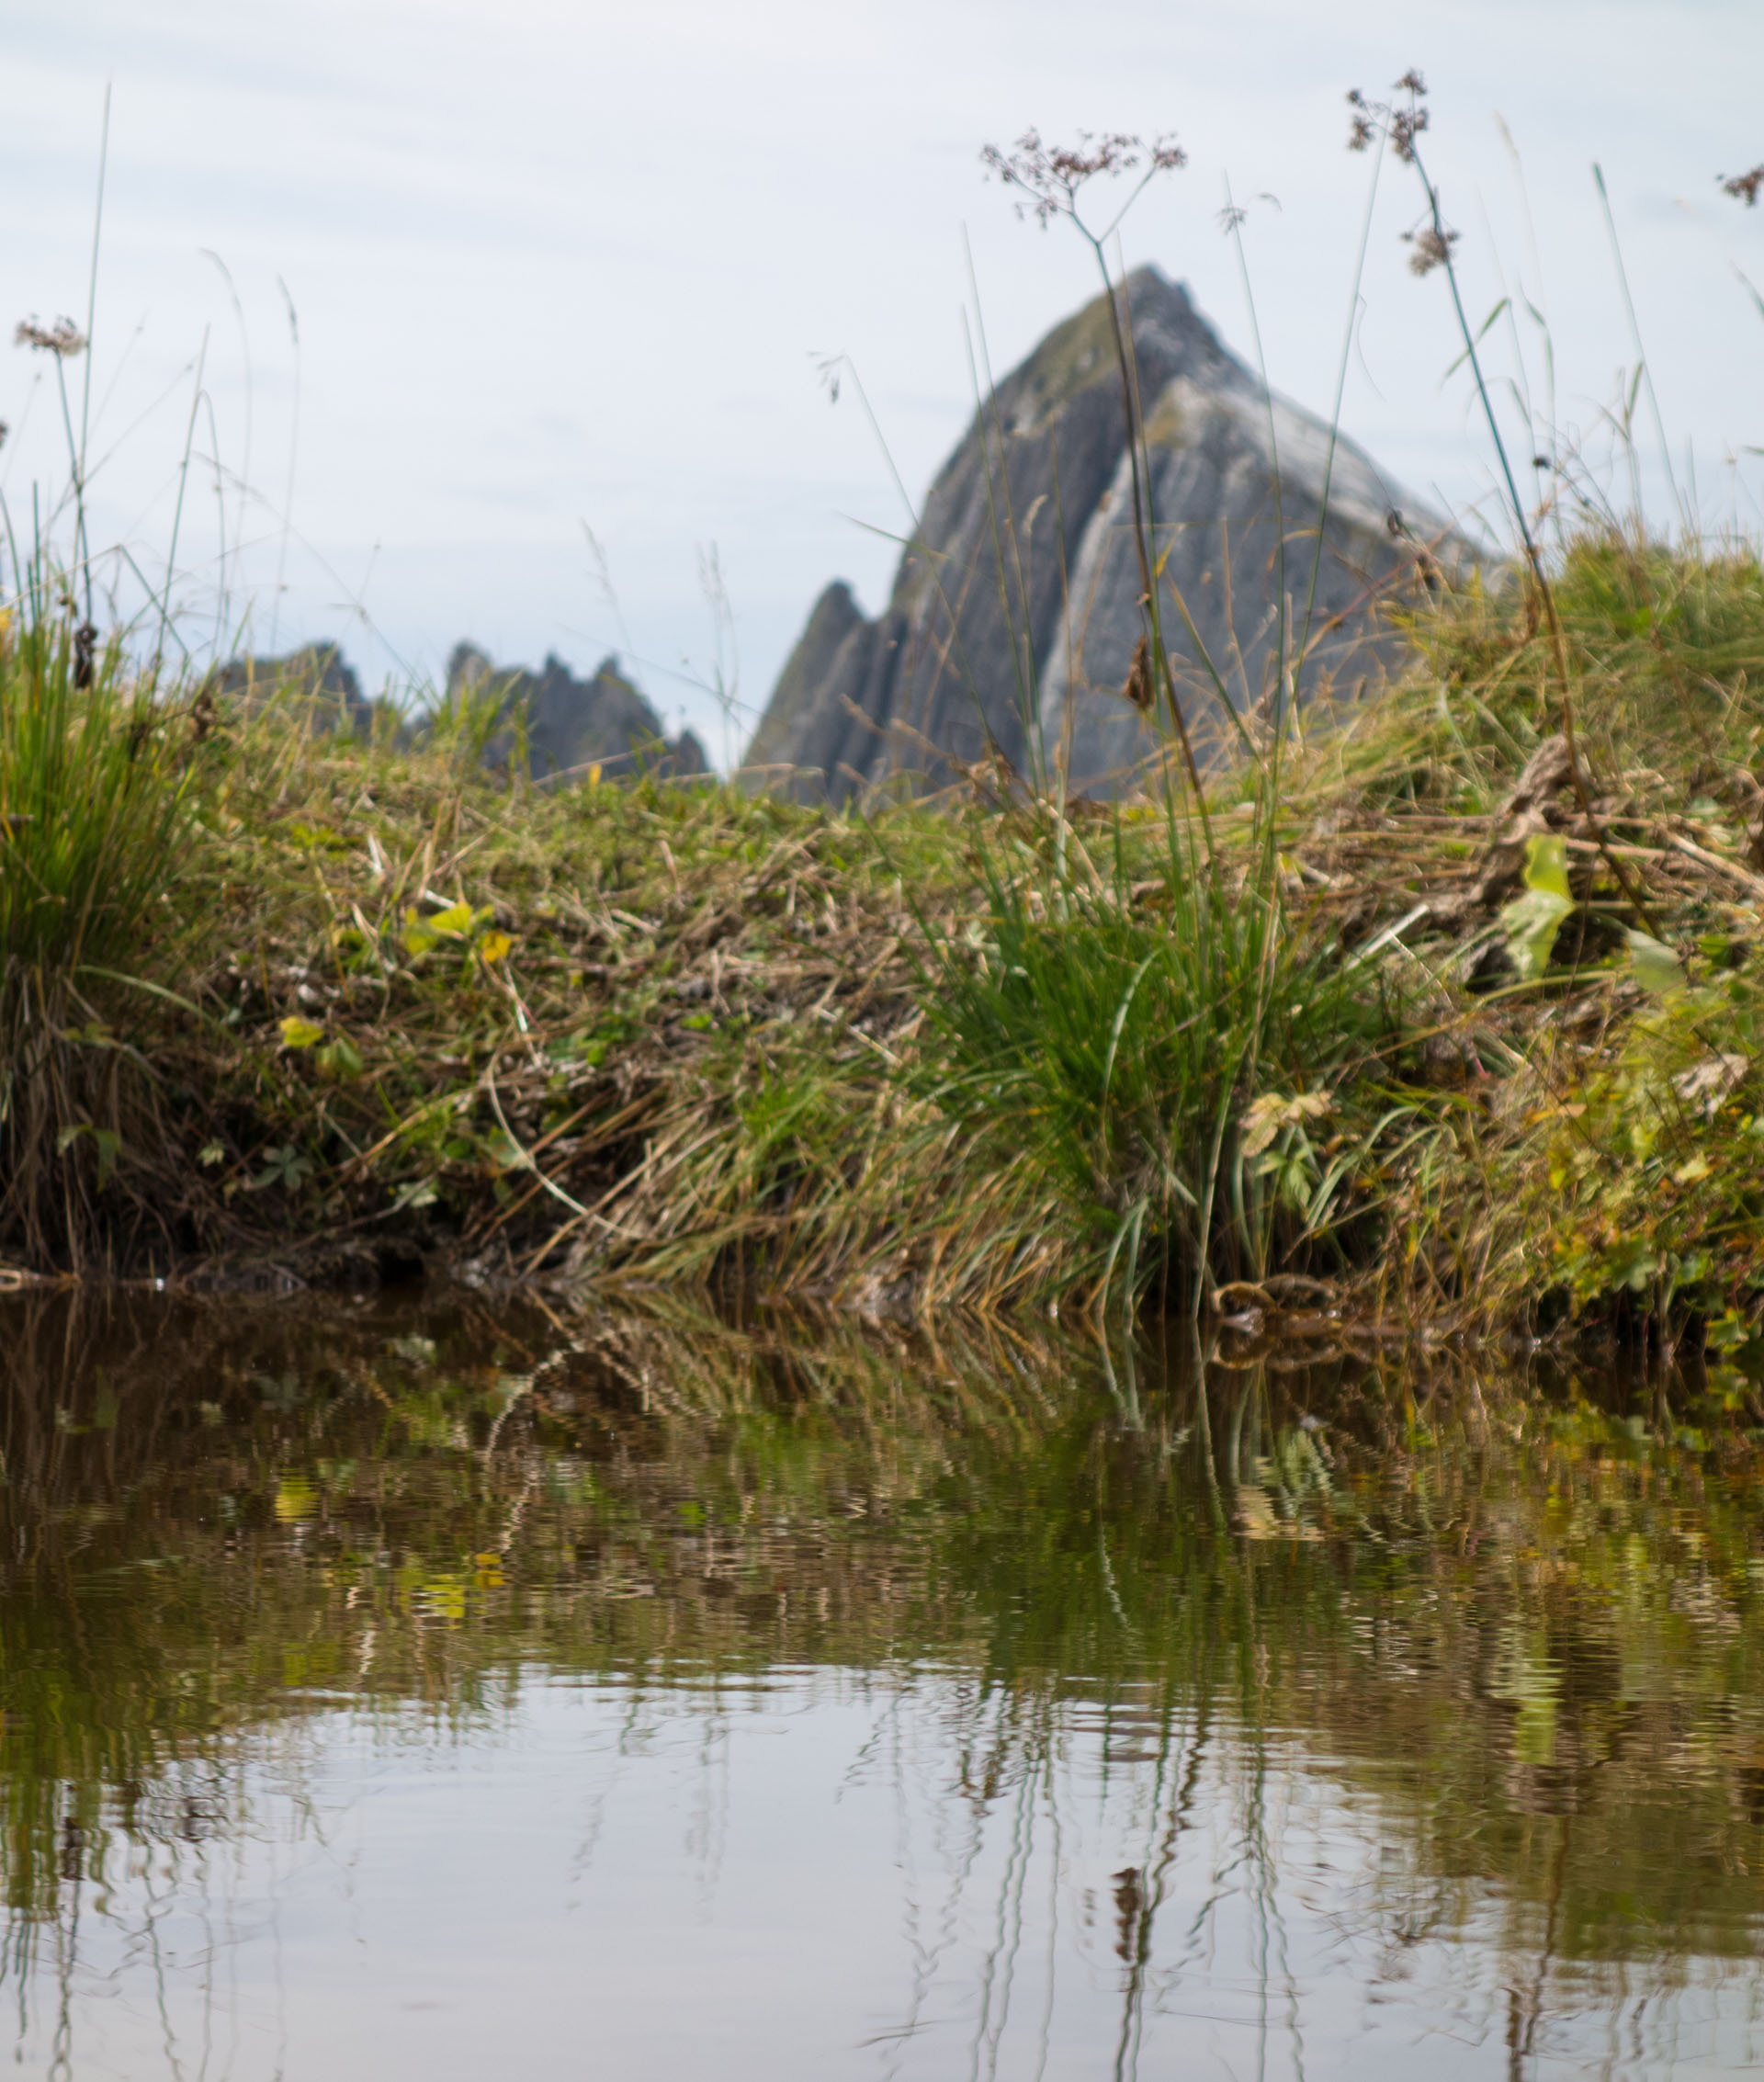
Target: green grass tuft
[1162,1039]
[92,827]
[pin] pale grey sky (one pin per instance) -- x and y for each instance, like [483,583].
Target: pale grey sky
[564,263]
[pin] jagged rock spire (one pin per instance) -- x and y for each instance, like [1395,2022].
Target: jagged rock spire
[1015,613]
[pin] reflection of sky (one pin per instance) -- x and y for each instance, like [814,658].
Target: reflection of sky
[820,1876]
[557,263]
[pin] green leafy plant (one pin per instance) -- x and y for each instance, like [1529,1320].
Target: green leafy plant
[1656,1161]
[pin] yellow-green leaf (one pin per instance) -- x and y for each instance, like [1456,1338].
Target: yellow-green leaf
[454,920]
[418,936]
[298,1033]
[1531,922]
[1547,864]
[495,945]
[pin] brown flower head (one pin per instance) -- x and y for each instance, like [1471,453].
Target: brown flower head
[1406,126]
[1433,249]
[1401,122]
[1743,188]
[1048,177]
[64,339]
[1362,129]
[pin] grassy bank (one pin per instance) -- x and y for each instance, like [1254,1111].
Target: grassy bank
[1464,1027]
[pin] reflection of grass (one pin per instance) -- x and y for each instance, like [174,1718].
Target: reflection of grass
[1536,1641]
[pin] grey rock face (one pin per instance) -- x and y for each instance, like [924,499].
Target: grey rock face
[569,723]
[1015,613]
[315,681]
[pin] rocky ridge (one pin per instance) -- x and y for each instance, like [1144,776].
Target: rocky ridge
[563,723]
[569,723]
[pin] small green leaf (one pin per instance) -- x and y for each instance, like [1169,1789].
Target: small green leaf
[108,1142]
[1488,326]
[1531,924]
[339,1060]
[1654,966]
[282,1166]
[298,1032]
[454,921]
[502,1149]
[1530,921]
[418,936]
[109,1147]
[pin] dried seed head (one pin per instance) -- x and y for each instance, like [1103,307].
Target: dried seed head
[1049,177]
[1406,126]
[1139,688]
[1433,249]
[64,339]
[86,642]
[1402,125]
[1743,188]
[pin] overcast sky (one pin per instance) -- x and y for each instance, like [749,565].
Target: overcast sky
[561,265]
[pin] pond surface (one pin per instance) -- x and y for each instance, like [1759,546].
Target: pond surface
[425,1691]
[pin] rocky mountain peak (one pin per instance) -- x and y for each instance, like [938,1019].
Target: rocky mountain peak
[568,722]
[1014,614]
[565,723]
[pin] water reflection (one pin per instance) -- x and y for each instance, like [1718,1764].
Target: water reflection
[408,1692]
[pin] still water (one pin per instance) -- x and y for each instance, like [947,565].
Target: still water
[427,1691]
